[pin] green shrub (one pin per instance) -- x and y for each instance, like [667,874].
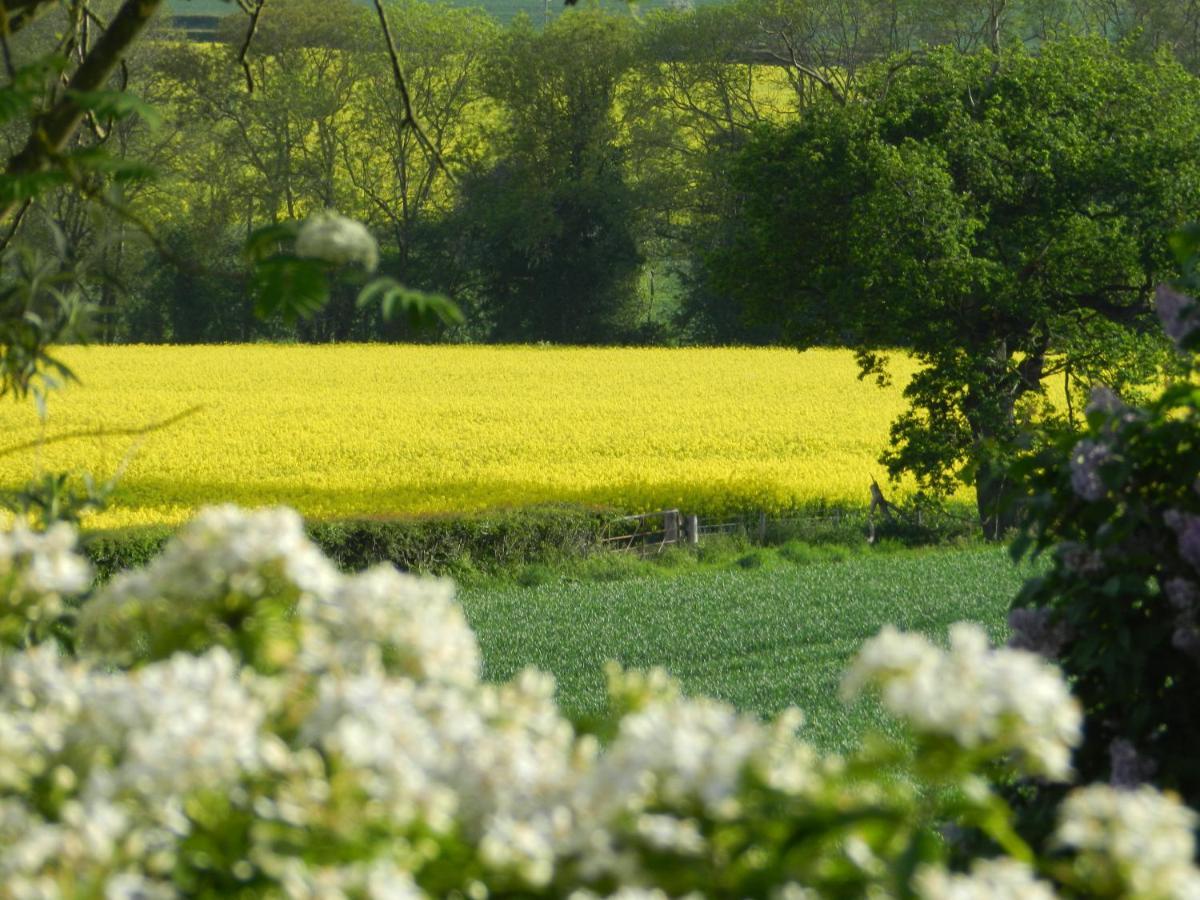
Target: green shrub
[484,543]
[1117,509]
[755,559]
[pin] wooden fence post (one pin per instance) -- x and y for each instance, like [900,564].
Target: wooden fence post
[671,527]
[691,529]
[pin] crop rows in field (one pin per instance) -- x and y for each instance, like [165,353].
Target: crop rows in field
[762,640]
[386,431]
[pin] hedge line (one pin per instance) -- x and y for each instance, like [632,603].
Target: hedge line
[483,542]
[502,540]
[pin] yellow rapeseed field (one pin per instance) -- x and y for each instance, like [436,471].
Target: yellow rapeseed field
[383,431]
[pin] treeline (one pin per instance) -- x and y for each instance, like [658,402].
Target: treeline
[583,182]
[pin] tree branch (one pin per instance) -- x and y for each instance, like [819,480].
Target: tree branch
[52,130]
[100,433]
[410,119]
[16,14]
[251,30]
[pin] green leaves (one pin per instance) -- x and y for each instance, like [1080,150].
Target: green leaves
[296,287]
[39,307]
[22,186]
[284,284]
[117,105]
[270,239]
[20,96]
[421,307]
[290,287]
[1000,217]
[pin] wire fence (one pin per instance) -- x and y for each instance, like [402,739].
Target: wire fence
[652,533]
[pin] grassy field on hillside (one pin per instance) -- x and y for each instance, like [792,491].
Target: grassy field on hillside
[502,10]
[390,431]
[761,639]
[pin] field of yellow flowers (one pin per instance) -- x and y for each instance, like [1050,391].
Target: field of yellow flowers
[385,431]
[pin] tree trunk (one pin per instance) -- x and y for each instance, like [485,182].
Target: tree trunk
[997,515]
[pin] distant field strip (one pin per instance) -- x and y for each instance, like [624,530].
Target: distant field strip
[385,431]
[761,640]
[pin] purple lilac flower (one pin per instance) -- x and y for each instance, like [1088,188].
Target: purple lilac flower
[1176,312]
[1129,768]
[1182,594]
[1078,559]
[1187,530]
[1104,399]
[1086,460]
[1036,631]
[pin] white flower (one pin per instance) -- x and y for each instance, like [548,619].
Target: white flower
[674,752]
[223,553]
[628,893]
[411,626]
[671,834]
[177,726]
[336,239]
[135,886]
[1177,312]
[1142,839]
[989,879]
[793,891]
[38,571]
[1011,700]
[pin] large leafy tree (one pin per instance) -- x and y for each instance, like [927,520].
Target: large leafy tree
[550,227]
[1002,218]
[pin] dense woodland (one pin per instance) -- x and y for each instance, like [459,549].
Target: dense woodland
[599,180]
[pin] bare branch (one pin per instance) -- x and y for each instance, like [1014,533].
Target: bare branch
[100,433]
[16,224]
[410,119]
[8,63]
[251,30]
[147,231]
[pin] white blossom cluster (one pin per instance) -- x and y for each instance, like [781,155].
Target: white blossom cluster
[989,879]
[225,561]
[38,571]
[1010,700]
[384,618]
[364,756]
[1140,841]
[336,239]
[380,700]
[114,757]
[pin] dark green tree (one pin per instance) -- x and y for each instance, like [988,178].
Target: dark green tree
[996,217]
[550,231]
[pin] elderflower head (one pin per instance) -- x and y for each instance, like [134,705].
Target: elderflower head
[411,626]
[678,751]
[989,879]
[1012,701]
[1139,839]
[124,752]
[209,585]
[335,239]
[37,571]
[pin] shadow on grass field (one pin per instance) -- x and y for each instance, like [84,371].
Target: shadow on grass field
[769,629]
